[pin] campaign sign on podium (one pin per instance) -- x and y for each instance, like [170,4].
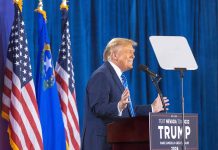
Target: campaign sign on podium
[165,131]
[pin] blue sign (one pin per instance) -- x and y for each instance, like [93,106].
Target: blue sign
[166,131]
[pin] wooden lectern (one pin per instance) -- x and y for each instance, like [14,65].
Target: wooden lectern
[129,134]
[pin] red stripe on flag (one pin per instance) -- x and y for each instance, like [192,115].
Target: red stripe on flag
[73,140]
[28,113]
[7,91]
[74,117]
[32,122]
[16,92]
[8,73]
[64,110]
[63,106]
[5,109]
[17,117]
[14,137]
[62,83]
[32,96]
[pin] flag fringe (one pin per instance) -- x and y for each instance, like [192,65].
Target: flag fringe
[67,146]
[13,145]
[5,116]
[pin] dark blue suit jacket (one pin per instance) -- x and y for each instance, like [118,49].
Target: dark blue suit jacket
[103,93]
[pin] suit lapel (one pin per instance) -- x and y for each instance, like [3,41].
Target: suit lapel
[117,81]
[115,77]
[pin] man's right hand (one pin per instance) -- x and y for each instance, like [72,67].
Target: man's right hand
[122,104]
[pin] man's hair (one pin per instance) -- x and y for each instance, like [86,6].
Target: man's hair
[115,42]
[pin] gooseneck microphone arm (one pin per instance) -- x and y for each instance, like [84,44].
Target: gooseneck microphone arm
[155,78]
[159,92]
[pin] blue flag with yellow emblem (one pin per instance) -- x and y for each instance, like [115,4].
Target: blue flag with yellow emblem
[46,92]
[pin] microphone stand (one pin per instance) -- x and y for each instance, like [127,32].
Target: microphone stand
[183,105]
[155,81]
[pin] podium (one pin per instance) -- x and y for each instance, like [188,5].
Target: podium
[159,131]
[129,134]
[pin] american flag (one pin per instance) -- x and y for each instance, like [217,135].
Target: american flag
[66,87]
[19,104]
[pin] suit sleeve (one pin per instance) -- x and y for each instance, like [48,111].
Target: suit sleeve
[98,92]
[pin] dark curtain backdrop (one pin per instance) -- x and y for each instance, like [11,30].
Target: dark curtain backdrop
[94,22]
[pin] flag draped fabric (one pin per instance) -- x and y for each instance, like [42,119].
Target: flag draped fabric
[19,105]
[66,87]
[46,92]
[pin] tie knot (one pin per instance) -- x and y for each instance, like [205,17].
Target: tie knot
[124,81]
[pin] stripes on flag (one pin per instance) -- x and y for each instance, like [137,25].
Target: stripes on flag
[65,82]
[19,104]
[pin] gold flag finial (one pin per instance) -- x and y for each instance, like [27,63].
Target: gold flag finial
[19,3]
[40,9]
[64,5]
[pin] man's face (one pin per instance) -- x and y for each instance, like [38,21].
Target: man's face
[124,57]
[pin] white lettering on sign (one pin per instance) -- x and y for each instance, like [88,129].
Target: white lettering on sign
[173,132]
[171,121]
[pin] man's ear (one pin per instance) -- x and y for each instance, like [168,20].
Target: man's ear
[112,56]
[115,54]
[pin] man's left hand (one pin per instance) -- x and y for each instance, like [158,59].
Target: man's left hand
[157,104]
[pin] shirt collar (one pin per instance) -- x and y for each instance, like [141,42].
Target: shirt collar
[117,70]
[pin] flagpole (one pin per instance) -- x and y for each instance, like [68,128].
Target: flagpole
[64,2]
[40,5]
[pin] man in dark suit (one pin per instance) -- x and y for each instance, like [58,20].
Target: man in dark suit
[107,98]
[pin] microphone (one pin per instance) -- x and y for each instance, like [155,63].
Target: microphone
[155,78]
[146,69]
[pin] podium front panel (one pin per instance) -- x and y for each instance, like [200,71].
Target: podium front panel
[129,130]
[166,131]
